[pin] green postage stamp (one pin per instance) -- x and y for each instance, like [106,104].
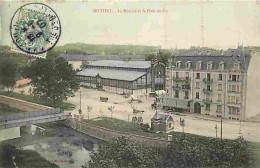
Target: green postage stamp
[35,28]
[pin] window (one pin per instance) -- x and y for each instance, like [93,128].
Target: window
[198,76]
[186,95]
[233,88]
[234,78]
[207,107]
[219,107]
[219,87]
[238,111]
[208,87]
[209,65]
[170,125]
[187,75]
[197,85]
[198,65]
[238,89]
[197,95]
[220,77]
[177,75]
[237,100]
[219,97]
[236,66]
[188,65]
[176,94]
[221,66]
[233,99]
[208,76]
[178,64]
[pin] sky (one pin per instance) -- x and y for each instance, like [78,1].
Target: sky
[226,23]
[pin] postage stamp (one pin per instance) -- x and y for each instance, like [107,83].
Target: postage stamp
[35,28]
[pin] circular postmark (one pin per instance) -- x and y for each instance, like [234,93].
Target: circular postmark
[35,28]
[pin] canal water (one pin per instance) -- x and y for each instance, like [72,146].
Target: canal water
[59,144]
[65,155]
[55,142]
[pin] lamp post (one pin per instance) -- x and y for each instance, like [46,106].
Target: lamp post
[89,108]
[80,111]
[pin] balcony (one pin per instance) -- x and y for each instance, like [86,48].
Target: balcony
[207,100]
[208,81]
[234,103]
[207,91]
[234,92]
[219,112]
[185,87]
[185,79]
[176,87]
[186,97]
[233,81]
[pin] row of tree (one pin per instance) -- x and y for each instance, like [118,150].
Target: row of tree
[184,151]
[100,49]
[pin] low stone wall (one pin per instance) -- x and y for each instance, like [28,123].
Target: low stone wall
[107,134]
[21,105]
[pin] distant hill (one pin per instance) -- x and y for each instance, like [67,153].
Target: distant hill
[100,49]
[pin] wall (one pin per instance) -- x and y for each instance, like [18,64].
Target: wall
[21,105]
[107,134]
[253,86]
[9,133]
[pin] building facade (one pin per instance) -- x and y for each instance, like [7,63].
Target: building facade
[212,83]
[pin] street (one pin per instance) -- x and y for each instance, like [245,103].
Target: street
[194,123]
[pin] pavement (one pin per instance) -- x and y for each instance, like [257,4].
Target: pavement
[194,123]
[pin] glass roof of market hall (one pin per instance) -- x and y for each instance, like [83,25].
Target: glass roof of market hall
[125,64]
[112,74]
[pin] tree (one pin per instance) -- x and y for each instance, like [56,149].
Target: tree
[8,72]
[111,108]
[53,80]
[121,152]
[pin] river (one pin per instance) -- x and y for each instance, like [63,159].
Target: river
[59,144]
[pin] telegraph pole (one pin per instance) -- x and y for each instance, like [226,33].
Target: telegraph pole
[80,99]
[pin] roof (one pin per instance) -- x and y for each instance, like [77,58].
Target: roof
[125,64]
[159,116]
[85,57]
[112,74]
[22,82]
[228,57]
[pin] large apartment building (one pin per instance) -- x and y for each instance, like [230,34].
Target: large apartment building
[216,83]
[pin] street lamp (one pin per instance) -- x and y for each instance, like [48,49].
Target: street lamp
[80,111]
[89,108]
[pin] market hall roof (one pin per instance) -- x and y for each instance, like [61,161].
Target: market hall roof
[112,74]
[124,64]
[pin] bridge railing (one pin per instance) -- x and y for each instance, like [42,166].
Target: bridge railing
[30,114]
